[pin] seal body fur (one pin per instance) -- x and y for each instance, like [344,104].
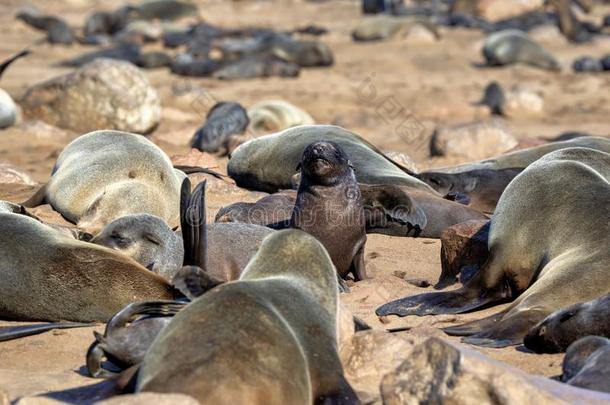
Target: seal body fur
[514,46]
[269,162]
[268,338]
[535,258]
[46,276]
[484,181]
[104,175]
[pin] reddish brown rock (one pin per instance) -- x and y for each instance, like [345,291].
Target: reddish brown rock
[463,250]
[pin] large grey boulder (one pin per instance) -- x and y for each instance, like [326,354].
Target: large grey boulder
[103,94]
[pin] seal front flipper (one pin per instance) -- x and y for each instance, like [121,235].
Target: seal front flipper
[452,302]
[37,199]
[16,332]
[507,331]
[474,327]
[357,267]
[385,205]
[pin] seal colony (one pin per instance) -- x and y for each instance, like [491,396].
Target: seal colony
[249,309]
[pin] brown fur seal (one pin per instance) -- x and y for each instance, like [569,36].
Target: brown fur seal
[547,231]
[565,326]
[329,204]
[385,27]
[279,319]
[46,276]
[587,364]
[224,122]
[268,163]
[104,175]
[147,239]
[389,210]
[515,46]
[276,115]
[483,182]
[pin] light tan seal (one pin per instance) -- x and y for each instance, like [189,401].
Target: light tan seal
[548,245]
[268,338]
[104,175]
[47,276]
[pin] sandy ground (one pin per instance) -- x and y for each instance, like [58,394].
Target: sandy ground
[432,83]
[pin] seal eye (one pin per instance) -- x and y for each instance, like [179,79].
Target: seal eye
[119,240]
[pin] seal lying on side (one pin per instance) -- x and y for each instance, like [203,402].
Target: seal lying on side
[276,115]
[268,163]
[515,46]
[104,175]
[560,329]
[284,307]
[483,182]
[224,121]
[389,210]
[385,27]
[46,276]
[534,258]
[147,239]
[329,206]
[587,364]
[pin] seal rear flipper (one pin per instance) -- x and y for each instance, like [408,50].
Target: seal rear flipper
[360,324]
[199,169]
[150,308]
[507,331]
[345,395]
[94,361]
[37,199]
[16,332]
[192,222]
[193,282]
[452,302]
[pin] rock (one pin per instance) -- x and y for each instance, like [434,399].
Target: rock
[420,34]
[439,372]
[587,64]
[475,141]
[105,93]
[462,245]
[523,101]
[403,160]
[145,398]
[10,174]
[370,355]
[8,110]
[494,10]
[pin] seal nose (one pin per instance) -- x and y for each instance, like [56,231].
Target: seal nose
[317,150]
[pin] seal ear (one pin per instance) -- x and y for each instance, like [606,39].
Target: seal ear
[192,222]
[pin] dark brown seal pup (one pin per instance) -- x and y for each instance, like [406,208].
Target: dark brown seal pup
[224,121]
[587,364]
[268,338]
[484,182]
[565,326]
[329,206]
[534,258]
[47,276]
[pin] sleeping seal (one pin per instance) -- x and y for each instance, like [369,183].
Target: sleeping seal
[104,175]
[47,276]
[224,122]
[268,163]
[329,206]
[276,115]
[268,338]
[147,239]
[515,46]
[534,257]
[587,364]
[565,326]
[484,181]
